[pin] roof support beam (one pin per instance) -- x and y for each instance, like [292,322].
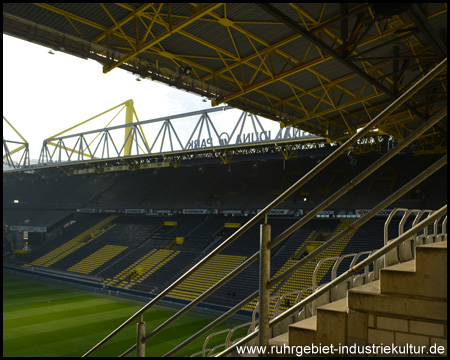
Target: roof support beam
[122,22]
[344,26]
[318,42]
[416,15]
[201,11]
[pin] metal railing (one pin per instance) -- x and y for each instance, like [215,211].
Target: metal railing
[376,255]
[266,245]
[336,292]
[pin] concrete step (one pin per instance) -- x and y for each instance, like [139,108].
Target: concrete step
[328,327]
[303,332]
[424,277]
[332,323]
[368,299]
[280,342]
[415,289]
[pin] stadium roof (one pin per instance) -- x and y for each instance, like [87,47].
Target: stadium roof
[326,68]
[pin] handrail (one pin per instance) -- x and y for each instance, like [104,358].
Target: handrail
[333,198]
[319,264]
[209,338]
[362,220]
[435,228]
[300,294]
[395,242]
[406,250]
[388,221]
[366,217]
[276,309]
[356,181]
[215,348]
[198,353]
[296,186]
[338,262]
[230,334]
[256,307]
[401,225]
[351,279]
[425,231]
[358,255]
[444,225]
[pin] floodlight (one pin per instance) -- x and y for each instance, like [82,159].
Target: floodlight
[187,70]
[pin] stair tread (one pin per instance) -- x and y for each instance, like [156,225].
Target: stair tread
[408,266]
[369,288]
[280,340]
[308,324]
[440,244]
[368,298]
[339,305]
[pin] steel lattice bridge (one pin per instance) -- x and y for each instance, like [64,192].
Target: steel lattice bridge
[159,142]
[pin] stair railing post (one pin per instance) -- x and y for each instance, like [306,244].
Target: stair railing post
[264,278]
[140,344]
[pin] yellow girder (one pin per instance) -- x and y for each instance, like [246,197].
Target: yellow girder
[135,12]
[21,147]
[325,101]
[199,11]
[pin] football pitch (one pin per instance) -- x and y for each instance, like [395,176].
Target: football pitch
[42,319]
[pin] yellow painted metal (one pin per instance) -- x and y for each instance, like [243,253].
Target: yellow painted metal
[86,121]
[286,153]
[225,157]
[130,111]
[69,15]
[123,21]
[21,147]
[149,14]
[199,12]
[179,240]
[12,127]
[128,120]
[174,160]
[232,225]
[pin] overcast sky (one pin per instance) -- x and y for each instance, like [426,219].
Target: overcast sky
[44,94]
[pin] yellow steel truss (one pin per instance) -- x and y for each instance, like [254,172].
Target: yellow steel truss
[21,147]
[130,111]
[139,39]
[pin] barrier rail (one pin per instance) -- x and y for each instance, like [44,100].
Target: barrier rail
[334,295]
[438,214]
[266,245]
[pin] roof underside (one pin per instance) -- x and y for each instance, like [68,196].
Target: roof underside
[327,68]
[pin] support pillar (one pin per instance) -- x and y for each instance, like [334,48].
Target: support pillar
[140,345]
[128,120]
[264,278]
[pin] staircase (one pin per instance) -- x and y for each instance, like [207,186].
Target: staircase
[408,305]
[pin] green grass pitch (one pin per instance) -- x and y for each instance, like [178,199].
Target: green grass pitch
[42,319]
